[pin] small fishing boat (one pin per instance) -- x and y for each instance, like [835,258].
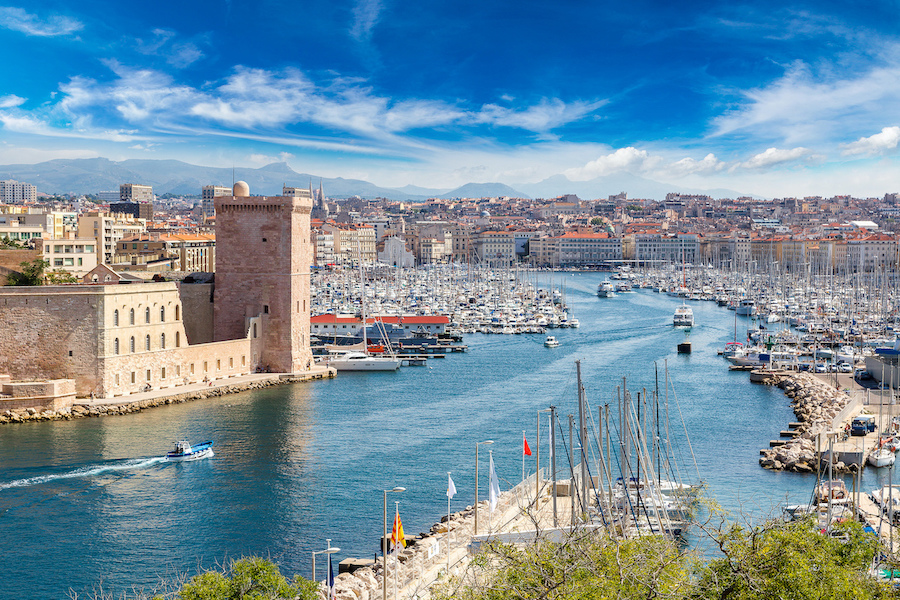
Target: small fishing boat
[184,451]
[881,457]
[551,342]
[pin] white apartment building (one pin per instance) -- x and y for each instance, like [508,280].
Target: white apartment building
[108,230]
[495,248]
[13,191]
[655,248]
[872,252]
[76,256]
[323,242]
[133,192]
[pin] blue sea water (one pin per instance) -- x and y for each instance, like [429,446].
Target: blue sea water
[88,504]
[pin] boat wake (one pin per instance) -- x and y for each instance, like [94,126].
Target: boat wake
[88,471]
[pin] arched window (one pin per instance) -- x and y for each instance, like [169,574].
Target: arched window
[116,345]
[147,315]
[116,319]
[177,313]
[147,342]
[162,341]
[131,317]
[132,345]
[254,330]
[162,314]
[177,336]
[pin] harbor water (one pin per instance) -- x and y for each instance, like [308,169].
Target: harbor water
[89,504]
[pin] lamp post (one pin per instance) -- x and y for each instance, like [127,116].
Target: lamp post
[328,550]
[384,543]
[486,442]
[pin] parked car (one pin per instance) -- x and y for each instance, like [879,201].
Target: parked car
[862,374]
[846,368]
[820,368]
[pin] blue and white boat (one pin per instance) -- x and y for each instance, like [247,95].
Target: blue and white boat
[184,451]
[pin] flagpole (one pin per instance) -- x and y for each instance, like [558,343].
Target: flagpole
[396,547]
[523,456]
[449,480]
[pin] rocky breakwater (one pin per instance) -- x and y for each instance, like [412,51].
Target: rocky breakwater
[169,396]
[815,404]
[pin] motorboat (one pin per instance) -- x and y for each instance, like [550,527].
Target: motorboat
[747,308]
[684,316]
[551,342]
[360,361]
[834,489]
[881,457]
[185,451]
[606,289]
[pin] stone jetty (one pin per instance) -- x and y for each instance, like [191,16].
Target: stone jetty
[108,407]
[816,404]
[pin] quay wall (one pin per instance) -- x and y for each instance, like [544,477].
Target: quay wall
[108,407]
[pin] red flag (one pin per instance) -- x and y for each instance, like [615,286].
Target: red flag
[526,451]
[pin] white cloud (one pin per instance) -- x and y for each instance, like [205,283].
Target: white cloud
[365,17]
[627,160]
[11,101]
[548,114]
[164,43]
[774,156]
[17,19]
[811,106]
[874,144]
[688,166]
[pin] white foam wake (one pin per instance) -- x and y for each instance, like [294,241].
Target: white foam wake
[88,471]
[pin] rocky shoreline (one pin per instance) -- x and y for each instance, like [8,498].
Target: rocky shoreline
[79,411]
[816,404]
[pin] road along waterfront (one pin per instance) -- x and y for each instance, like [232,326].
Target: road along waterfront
[85,502]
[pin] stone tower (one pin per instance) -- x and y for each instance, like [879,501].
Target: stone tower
[263,255]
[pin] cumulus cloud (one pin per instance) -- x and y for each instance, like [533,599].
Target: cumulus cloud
[774,156]
[627,160]
[874,144]
[17,19]
[688,166]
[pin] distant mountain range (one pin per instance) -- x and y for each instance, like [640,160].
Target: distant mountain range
[92,175]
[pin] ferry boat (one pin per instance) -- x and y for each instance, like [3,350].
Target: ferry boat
[684,316]
[184,451]
[551,342]
[746,308]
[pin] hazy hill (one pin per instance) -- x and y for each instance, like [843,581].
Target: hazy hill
[91,175]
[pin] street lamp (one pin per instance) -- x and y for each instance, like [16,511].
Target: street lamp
[486,442]
[384,543]
[328,550]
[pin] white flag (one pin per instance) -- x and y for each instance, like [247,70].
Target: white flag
[451,489]
[494,491]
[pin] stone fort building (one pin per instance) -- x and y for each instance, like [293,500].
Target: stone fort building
[116,339]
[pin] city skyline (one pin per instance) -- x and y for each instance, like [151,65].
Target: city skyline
[768,99]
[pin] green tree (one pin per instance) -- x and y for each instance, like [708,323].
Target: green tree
[250,578]
[32,273]
[9,243]
[60,276]
[790,561]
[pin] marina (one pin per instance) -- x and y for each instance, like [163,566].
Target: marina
[296,464]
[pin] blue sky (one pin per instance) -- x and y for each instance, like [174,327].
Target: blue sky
[769,98]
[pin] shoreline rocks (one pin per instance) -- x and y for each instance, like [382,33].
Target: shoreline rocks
[816,404]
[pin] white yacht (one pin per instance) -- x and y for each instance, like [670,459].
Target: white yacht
[684,316]
[746,308]
[360,361]
[551,342]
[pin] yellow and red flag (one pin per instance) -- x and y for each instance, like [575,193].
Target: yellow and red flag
[397,537]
